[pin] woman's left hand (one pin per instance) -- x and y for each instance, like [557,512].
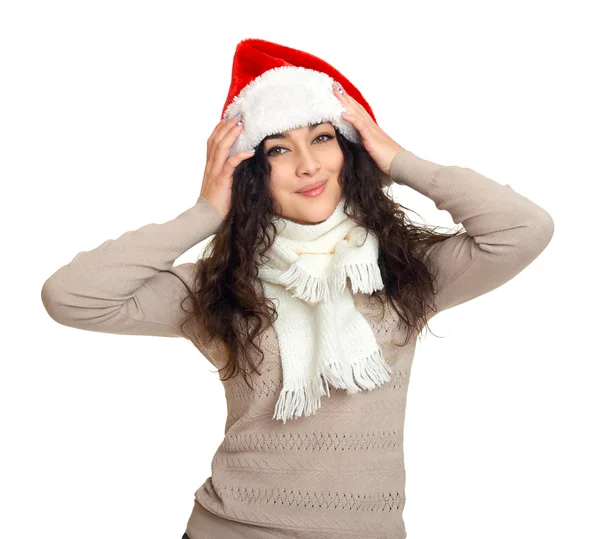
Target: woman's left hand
[379,144]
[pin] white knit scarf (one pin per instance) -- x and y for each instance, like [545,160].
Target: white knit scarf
[322,336]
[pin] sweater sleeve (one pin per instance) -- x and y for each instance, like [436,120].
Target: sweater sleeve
[129,285]
[505,231]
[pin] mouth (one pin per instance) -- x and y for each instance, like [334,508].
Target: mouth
[313,190]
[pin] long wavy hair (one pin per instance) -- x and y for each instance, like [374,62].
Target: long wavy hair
[229,306]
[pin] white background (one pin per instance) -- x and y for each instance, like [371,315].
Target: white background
[105,112]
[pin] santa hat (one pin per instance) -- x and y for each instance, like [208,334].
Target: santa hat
[276,88]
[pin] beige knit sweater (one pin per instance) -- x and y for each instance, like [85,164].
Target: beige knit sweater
[340,473]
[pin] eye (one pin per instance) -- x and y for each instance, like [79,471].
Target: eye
[271,153]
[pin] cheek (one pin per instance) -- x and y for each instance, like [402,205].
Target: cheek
[279,187]
[337,159]
[283,177]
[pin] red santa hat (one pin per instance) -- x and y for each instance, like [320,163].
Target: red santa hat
[276,88]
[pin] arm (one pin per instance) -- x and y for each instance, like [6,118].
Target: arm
[505,231]
[129,286]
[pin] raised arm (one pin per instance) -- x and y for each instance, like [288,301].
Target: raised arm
[505,231]
[129,285]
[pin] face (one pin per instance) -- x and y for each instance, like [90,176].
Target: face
[301,157]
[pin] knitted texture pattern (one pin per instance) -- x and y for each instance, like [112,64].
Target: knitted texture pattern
[340,472]
[323,339]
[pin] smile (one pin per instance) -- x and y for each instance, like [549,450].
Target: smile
[314,192]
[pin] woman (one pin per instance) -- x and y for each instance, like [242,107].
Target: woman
[309,301]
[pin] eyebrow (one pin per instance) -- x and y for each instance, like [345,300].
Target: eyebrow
[311,127]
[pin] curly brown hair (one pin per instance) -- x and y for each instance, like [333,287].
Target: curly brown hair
[228,303]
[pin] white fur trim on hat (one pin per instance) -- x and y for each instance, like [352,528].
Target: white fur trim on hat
[283,98]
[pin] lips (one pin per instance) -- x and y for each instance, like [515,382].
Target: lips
[311,186]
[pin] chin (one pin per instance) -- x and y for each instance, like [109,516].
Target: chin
[316,210]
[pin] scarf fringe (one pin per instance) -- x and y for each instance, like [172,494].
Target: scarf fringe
[296,401]
[365,277]
[336,252]
[373,372]
[369,373]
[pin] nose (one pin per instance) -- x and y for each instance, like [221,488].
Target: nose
[307,163]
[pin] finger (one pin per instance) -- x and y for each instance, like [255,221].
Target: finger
[345,95]
[221,129]
[344,99]
[352,106]
[223,146]
[339,91]
[214,136]
[235,160]
[360,123]
[227,133]
[218,129]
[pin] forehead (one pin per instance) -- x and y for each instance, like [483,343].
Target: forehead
[286,134]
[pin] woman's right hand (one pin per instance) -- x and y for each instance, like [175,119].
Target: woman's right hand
[218,174]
